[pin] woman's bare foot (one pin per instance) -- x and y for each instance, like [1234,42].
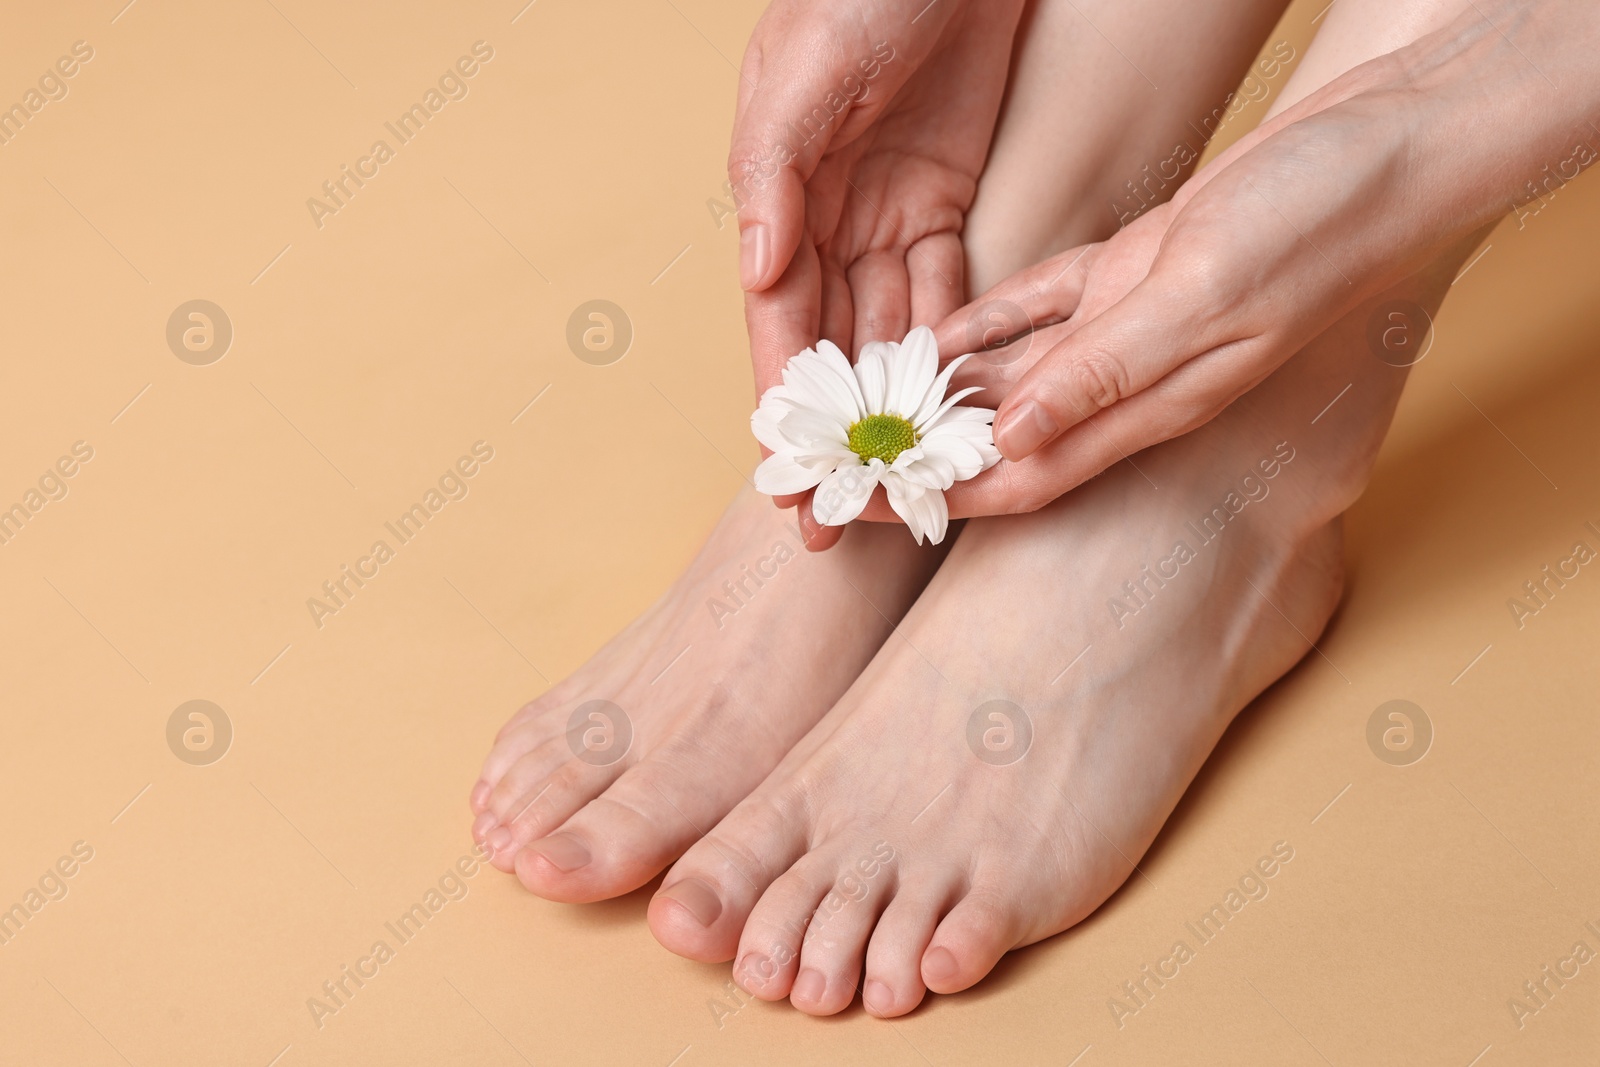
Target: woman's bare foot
[593,788]
[710,727]
[992,778]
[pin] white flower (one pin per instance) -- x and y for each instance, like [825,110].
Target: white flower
[844,430]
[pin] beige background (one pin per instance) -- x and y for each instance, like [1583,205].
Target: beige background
[425,316]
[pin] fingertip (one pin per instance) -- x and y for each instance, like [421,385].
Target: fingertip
[813,534]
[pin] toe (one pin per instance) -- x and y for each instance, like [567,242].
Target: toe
[768,964]
[544,807]
[894,983]
[641,823]
[705,899]
[516,739]
[969,942]
[523,778]
[835,943]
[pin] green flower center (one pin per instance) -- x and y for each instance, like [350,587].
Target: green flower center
[882,437]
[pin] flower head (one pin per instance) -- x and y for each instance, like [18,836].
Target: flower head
[844,430]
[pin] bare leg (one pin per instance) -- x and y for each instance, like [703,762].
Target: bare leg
[990,780]
[774,635]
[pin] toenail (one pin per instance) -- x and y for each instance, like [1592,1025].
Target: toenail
[877,997]
[565,852]
[753,969]
[480,795]
[499,838]
[939,963]
[810,987]
[698,898]
[482,825]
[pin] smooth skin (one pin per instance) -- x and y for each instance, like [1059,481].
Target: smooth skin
[831,880]
[1343,193]
[709,727]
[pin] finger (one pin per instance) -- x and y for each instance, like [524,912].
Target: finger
[815,536]
[880,289]
[1186,399]
[936,268]
[795,63]
[1158,327]
[998,370]
[1038,296]
[838,306]
[784,319]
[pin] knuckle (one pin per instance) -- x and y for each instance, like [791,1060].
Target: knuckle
[1096,377]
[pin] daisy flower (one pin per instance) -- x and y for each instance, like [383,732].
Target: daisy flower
[844,430]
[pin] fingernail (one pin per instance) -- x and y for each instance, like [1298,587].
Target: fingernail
[939,963]
[480,796]
[700,900]
[482,825]
[877,997]
[809,986]
[565,852]
[1023,430]
[755,255]
[499,838]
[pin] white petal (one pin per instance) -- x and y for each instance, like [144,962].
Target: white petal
[844,493]
[839,363]
[930,403]
[764,422]
[965,457]
[931,470]
[949,402]
[808,428]
[828,381]
[923,510]
[916,366]
[972,425]
[872,370]
[805,384]
[779,475]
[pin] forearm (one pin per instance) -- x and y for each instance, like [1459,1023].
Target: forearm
[1379,172]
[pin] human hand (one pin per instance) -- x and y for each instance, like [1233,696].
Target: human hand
[1152,333]
[858,141]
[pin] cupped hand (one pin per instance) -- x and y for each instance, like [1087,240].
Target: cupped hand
[860,134]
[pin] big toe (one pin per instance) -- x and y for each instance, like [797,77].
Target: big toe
[700,909]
